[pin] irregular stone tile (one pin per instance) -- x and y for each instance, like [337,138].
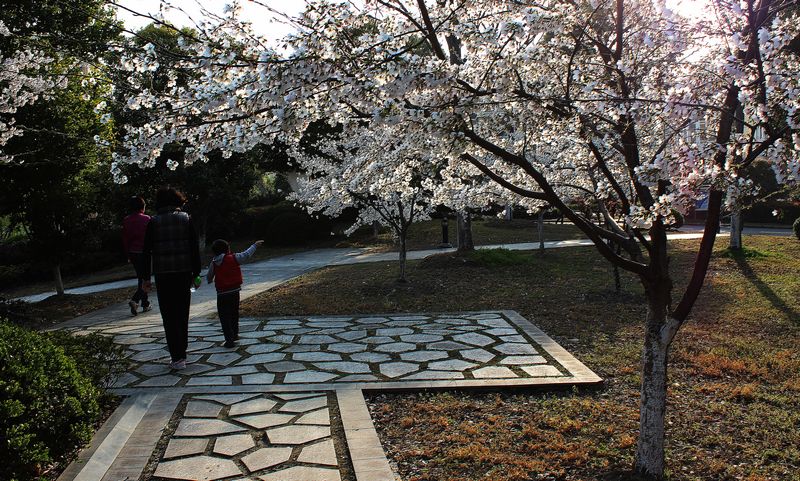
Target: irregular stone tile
[297,434]
[434,375]
[394,331]
[473,338]
[319,453]
[146,347]
[517,360]
[396,347]
[357,378]
[284,339]
[205,427]
[256,334]
[397,369]
[262,348]
[202,409]
[266,457]
[296,395]
[542,371]
[494,322]
[284,366]
[513,348]
[451,365]
[328,324]
[233,371]
[352,335]
[370,357]
[501,331]
[421,338]
[447,346]
[262,358]
[198,468]
[196,368]
[483,315]
[453,321]
[347,347]
[124,379]
[145,356]
[261,421]
[479,355]
[321,417]
[404,323]
[316,356]
[303,348]
[185,447]
[308,377]
[129,340]
[160,381]
[233,445]
[281,322]
[227,399]
[409,318]
[196,346]
[210,381]
[371,320]
[257,405]
[223,359]
[493,372]
[259,378]
[303,473]
[423,356]
[316,339]
[344,366]
[298,330]
[378,340]
[468,328]
[516,338]
[304,405]
[248,342]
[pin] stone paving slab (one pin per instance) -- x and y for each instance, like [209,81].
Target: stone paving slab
[493,348]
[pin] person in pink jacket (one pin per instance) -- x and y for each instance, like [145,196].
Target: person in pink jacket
[134,227]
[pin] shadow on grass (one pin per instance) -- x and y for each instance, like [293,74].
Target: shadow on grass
[765,289]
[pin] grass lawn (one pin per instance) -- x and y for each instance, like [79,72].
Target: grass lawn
[734,396]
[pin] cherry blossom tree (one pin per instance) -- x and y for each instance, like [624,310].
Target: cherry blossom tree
[624,102]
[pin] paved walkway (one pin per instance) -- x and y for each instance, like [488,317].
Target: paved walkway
[266,274]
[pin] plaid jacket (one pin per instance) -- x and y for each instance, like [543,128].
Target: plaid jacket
[171,243]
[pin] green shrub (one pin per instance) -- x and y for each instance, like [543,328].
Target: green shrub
[499,257]
[796,227]
[47,407]
[95,356]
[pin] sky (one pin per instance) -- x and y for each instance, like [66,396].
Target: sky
[262,20]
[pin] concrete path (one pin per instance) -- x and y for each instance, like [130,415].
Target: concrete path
[266,274]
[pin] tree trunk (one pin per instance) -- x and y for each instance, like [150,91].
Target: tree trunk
[376,229]
[508,214]
[402,257]
[57,279]
[540,231]
[653,395]
[736,230]
[465,242]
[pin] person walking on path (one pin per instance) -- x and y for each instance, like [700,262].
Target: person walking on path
[224,271]
[133,230]
[172,254]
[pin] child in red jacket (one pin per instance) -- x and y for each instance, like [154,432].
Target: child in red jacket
[224,271]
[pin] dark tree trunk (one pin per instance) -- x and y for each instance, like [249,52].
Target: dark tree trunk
[653,395]
[465,242]
[402,257]
[59,283]
[376,229]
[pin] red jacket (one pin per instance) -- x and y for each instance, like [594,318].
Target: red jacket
[133,228]
[228,274]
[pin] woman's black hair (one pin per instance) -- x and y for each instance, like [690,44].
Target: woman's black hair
[169,197]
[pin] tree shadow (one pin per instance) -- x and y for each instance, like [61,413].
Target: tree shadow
[765,289]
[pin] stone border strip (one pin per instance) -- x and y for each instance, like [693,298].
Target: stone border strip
[133,457]
[366,452]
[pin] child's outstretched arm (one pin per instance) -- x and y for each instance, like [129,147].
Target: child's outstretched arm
[248,253]
[210,274]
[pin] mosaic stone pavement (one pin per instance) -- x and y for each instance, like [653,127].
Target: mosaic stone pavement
[277,437]
[287,403]
[470,346]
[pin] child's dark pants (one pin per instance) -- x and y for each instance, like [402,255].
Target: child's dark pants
[228,310]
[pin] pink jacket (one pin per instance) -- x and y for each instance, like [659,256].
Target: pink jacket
[133,228]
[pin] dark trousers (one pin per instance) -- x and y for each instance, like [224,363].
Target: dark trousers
[138,265]
[228,310]
[174,298]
